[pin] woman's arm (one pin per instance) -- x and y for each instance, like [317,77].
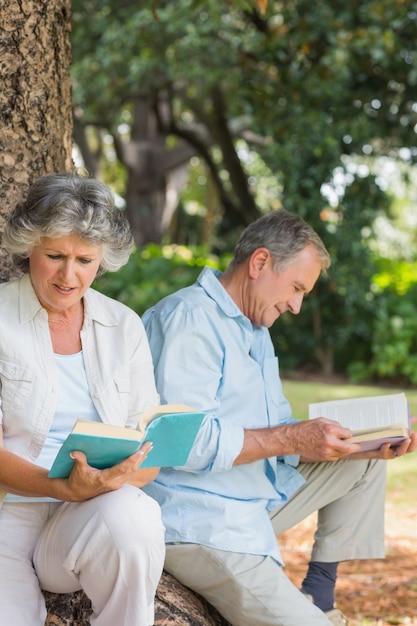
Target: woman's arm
[24,478]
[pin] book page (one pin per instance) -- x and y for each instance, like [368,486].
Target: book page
[99,429]
[156,411]
[364,413]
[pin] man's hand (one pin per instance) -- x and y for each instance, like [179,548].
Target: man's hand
[387,452]
[322,439]
[315,440]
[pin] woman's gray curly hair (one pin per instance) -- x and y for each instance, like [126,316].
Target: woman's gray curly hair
[65,203]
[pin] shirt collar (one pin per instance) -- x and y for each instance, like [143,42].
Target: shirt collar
[29,305]
[209,281]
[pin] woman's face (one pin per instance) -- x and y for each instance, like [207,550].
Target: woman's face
[61,270]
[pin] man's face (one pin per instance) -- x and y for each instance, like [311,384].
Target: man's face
[270,294]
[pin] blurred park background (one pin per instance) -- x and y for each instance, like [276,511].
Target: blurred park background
[204,115]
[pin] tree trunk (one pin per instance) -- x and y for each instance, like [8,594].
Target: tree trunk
[156,174]
[175,605]
[35,99]
[323,353]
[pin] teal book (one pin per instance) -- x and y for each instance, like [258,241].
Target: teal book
[172,428]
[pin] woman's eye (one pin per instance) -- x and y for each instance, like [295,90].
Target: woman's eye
[85,261]
[54,257]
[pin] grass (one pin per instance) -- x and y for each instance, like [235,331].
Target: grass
[301,394]
[402,474]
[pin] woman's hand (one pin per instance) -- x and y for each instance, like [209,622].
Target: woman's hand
[86,482]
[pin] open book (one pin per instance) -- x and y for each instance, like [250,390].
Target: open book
[172,428]
[373,420]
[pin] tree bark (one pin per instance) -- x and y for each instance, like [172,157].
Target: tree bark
[35,99]
[175,605]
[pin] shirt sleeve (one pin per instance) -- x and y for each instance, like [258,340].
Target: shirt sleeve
[178,338]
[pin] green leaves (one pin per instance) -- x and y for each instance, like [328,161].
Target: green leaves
[279,101]
[153,272]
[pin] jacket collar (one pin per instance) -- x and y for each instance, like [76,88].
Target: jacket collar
[29,305]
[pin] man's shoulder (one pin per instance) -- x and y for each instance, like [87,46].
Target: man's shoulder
[185,300]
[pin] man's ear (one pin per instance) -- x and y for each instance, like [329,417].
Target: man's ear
[257,261]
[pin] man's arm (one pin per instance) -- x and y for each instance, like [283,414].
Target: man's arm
[314,440]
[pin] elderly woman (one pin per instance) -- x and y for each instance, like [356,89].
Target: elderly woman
[68,352]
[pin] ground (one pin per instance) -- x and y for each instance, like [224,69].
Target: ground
[378,592]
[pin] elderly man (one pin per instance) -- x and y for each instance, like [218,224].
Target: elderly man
[254,470]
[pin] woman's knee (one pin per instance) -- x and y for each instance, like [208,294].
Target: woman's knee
[130,513]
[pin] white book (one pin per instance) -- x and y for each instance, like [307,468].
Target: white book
[373,420]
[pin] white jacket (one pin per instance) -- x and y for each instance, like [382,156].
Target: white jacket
[117,360]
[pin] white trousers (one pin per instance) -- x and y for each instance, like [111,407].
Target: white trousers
[111,546]
[253,590]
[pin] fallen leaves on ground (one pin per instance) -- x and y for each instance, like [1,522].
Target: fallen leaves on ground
[379,592]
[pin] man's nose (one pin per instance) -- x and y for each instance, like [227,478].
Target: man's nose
[295,303]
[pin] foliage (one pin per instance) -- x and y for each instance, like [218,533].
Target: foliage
[377,334]
[335,324]
[393,339]
[154,272]
[308,88]
[303,85]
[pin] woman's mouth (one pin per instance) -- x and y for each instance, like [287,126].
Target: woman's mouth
[65,289]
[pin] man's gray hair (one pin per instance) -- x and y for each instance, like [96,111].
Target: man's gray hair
[284,234]
[61,204]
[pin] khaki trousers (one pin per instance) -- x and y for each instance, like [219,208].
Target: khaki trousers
[253,590]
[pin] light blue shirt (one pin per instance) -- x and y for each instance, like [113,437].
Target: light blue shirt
[208,355]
